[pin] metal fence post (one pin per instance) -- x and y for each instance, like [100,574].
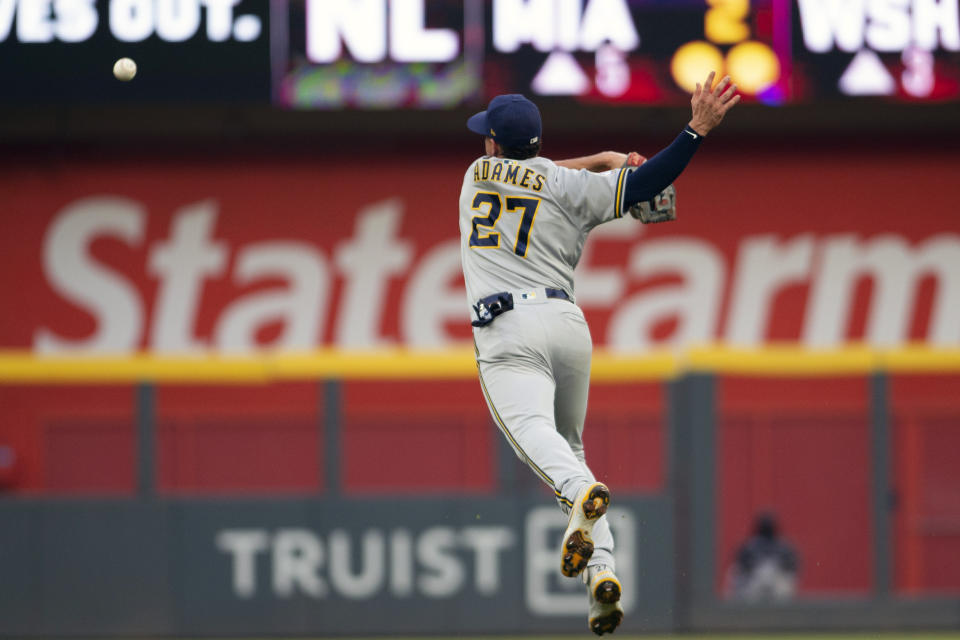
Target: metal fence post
[145,446]
[703,479]
[692,420]
[678,485]
[882,484]
[332,418]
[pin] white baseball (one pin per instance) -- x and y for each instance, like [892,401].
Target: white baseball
[124,69]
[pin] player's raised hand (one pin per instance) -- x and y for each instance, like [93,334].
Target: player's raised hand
[710,104]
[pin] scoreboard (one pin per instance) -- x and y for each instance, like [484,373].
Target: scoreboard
[436,54]
[62,51]
[390,53]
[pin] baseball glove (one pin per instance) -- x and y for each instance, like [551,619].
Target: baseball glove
[661,208]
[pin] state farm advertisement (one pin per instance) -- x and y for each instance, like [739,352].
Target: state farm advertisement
[236,255]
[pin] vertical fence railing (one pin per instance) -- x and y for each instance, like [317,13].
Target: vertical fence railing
[146,440]
[330,418]
[882,483]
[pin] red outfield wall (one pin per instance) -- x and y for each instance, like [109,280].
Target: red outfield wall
[248,253]
[240,253]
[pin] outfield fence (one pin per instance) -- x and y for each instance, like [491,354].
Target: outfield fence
[367,492]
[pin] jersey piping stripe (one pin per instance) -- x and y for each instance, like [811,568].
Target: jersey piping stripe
[506,432]
[560,497]
[618,203]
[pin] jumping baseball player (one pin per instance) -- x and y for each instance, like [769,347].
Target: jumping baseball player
[523,223]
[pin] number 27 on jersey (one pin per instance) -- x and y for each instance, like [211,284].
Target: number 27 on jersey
[490,204]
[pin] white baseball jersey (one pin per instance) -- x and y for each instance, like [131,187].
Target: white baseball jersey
[523,222]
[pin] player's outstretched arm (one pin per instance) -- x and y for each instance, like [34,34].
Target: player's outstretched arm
[709,105]
[603,161]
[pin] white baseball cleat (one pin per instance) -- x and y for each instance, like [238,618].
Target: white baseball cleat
[577,546]
[603,588]
[603,584]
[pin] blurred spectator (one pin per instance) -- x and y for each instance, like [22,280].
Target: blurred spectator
[765,568]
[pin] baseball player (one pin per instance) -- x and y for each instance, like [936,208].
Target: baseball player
[523,223]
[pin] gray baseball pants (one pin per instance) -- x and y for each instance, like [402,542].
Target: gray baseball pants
[534,364]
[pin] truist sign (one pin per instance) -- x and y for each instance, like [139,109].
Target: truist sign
[320,566]
[187,261]
[437,562]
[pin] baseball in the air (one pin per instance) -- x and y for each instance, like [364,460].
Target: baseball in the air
[124,69]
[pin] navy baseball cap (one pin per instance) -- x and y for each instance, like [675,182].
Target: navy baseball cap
[510,119]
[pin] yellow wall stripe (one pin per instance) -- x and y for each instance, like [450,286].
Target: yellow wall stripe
[23,367]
